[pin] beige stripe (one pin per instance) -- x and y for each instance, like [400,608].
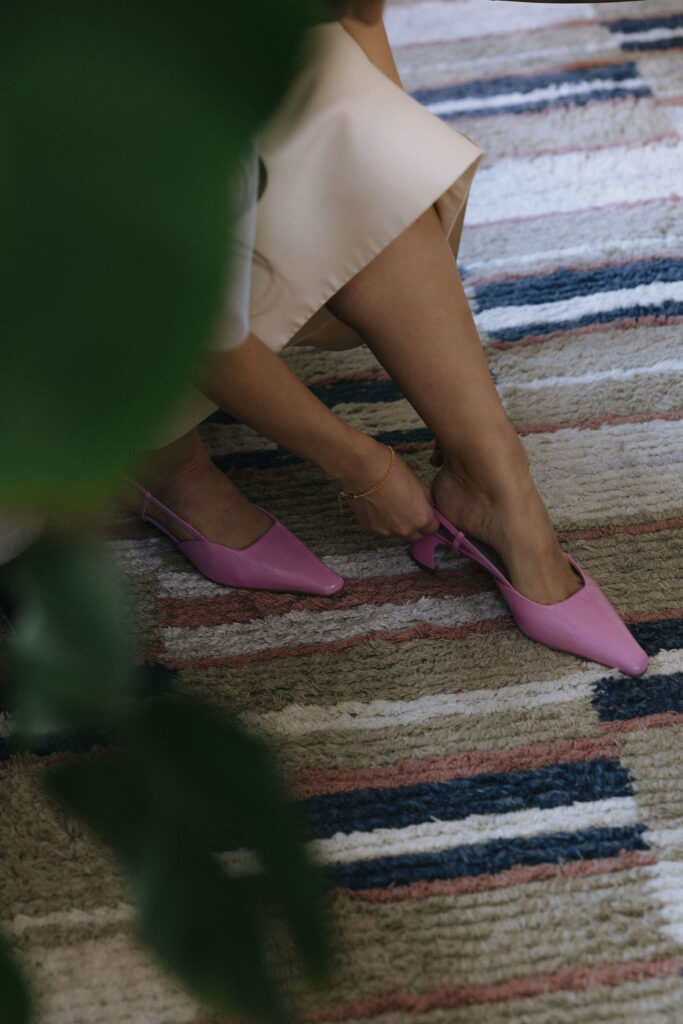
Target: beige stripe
[428,65]
[655,758]
[42,863]
[606,122]
[380,670]
[622,224]
[653,1001]
[108,980]
[439,738]
[312,363]
[487,937]
[555,358]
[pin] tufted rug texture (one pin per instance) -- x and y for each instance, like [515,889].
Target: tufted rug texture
[504,822]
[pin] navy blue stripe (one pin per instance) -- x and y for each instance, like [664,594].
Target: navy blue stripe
[655,44]
[479,89]
[337,393]
[666,635]
[555,785]
[538,106]
[618,699]
[565,284]
[357,391]
[490,858]
[539,327]
[278,457]
[644,24]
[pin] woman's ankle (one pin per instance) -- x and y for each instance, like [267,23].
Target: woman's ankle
[176,467]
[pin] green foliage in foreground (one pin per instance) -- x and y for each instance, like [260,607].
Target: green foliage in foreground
[127,122]
[15,1005]
[127,125]
[177,786]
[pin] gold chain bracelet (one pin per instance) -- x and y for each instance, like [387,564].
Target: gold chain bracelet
[370,490]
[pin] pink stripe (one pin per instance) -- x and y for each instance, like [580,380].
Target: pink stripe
[247,605]
[661,719]
[605,105]
[672,197]
[662,616]
[596,532]
[457,766]
[449,997]
[624,861]
[595,422]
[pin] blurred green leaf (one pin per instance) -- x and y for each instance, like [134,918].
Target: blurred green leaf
[232,790]
[162,806]
[15,1003]
[126,124]
[70,659]
[192,916]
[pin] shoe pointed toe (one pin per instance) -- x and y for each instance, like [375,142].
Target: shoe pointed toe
[276,561]
[585,624]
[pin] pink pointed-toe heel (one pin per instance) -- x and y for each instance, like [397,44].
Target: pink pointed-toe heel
[585,624]
[276,561]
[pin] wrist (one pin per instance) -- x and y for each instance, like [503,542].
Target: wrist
[361,463]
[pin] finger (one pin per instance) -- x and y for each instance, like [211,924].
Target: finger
[431,525]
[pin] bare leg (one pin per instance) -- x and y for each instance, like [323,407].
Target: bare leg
[410,307]
[183,477]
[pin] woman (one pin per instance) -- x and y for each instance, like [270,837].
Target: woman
[359,224]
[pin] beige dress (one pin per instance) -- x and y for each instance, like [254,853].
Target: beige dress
[351,161]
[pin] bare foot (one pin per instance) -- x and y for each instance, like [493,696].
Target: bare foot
[206,499]
[515,523]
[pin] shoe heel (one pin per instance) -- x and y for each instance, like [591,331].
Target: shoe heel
[423,550]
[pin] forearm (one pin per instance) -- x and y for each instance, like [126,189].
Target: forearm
[258,388]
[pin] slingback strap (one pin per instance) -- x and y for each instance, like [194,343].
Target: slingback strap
[449,534]
[147,499]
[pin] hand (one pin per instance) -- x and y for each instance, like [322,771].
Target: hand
[367,11]
[401,507]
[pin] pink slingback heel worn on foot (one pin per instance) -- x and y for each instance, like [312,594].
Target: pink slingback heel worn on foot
[585,623]
[276,561]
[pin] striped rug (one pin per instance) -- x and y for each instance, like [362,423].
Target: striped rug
[503,823]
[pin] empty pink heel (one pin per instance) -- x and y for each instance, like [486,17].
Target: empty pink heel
[585,623]
[276,561]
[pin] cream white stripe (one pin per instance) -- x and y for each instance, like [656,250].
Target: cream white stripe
[666,838]
[120,914]
[300,627]
[513,99]
[654,294]
[563,182]
[650,35]
[436,21]
[665,883]
[299,719]
[436,836]
[664,366]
